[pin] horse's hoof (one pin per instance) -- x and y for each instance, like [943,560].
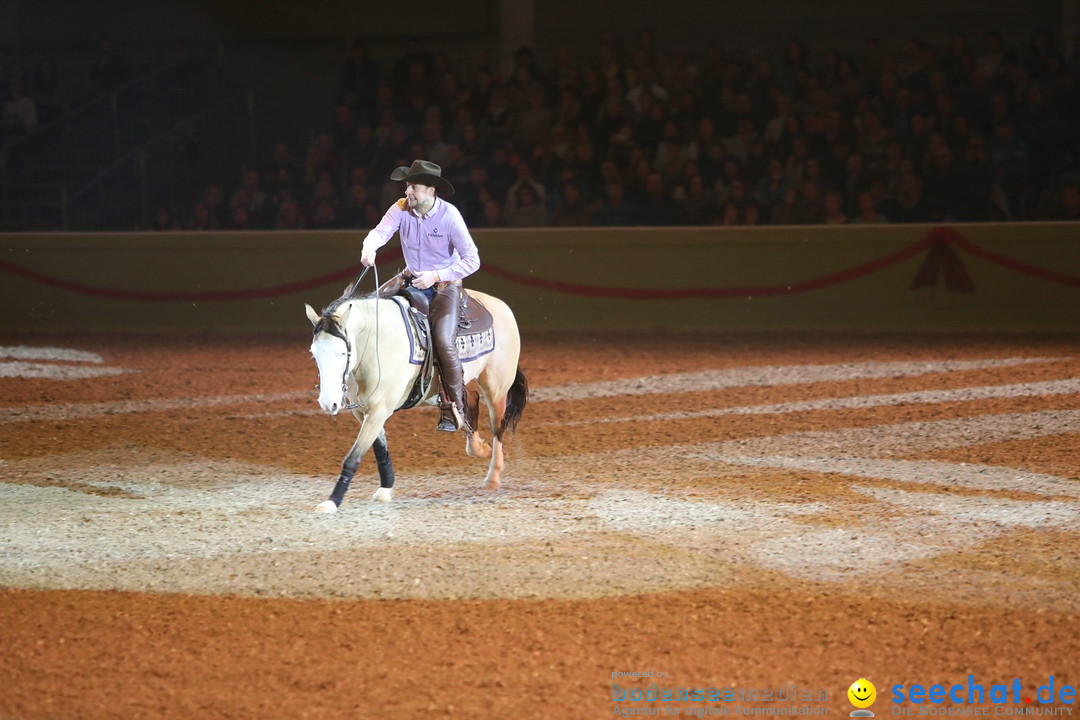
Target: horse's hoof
[492,484]
[326,507]
[383,495]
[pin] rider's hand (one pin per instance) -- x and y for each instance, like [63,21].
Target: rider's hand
[367,256]
[424,280]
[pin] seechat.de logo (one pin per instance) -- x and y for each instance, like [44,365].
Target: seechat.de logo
[1001,695]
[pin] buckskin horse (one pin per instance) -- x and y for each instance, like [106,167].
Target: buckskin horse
[372,360]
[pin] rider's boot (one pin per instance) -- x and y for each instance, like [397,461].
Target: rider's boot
[444,312]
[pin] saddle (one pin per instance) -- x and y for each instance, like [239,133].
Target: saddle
[475,332]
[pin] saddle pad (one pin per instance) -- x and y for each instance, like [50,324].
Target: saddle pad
[470,346]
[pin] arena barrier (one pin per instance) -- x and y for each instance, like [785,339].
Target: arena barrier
[979,277]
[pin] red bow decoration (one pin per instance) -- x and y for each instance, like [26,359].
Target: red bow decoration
[941,259]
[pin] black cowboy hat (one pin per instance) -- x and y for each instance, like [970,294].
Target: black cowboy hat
[423,172]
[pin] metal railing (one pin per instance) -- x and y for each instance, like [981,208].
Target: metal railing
[148,158]
[38,171]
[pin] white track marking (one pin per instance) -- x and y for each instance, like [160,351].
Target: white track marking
[24,352]
[905,438]
[971,394]
[49,529]
[684,382]
[765,533]
[19,368]
[924,472]
[79,411]
[765,375]
[46,371]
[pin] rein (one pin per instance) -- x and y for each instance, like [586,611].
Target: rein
[345,404]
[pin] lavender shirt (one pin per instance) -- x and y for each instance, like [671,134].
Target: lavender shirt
[438,241]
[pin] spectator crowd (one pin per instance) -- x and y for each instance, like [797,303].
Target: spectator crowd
[641,135]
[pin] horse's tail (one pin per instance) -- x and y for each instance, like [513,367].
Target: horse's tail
[516,398]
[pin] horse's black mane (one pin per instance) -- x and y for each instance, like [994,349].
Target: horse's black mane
[351,293]
[327,316]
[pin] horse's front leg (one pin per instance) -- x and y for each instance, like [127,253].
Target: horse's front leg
[371,433]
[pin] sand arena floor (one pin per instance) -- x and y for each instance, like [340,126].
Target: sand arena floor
[736,511]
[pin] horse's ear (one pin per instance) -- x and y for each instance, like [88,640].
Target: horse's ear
[312,315]
[343,317]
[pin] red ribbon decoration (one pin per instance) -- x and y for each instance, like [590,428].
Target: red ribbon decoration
[941,259]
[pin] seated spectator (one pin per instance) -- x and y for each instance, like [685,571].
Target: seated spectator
[910,204]
[354,212]
[943,184]
[524,177]
[730,216]
[1070,202]
[163,220]
[751,214]
[657,207]
[527,209]
[811,205]
[976,180]
[289,216]
[325,215]
[698,203]
[1011,159]
[572,212]
[787,212]
[240,218]
[492,216]
[201,218]
[771,189]
[214,199]
[834,208]
[868,213]
[532,124]
[259,201]
[613,210]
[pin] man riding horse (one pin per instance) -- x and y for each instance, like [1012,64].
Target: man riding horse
[439,252]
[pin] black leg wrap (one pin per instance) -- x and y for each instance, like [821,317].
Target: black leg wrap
[382,460]
[339,490]
[348,469]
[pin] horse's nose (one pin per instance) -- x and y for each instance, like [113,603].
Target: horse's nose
[333,409]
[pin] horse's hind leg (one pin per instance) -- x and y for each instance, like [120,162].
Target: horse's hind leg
[496,410]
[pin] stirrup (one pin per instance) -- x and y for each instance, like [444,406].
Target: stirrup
[449,418]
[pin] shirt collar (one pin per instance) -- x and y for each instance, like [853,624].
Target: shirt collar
[431,213]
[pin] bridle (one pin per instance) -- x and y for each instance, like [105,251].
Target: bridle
[328,326]
[332,328]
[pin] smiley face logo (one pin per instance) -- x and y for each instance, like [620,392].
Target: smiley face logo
[862,693]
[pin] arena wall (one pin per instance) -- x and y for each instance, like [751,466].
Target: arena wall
[1002,277]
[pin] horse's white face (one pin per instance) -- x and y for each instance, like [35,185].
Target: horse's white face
[330,355]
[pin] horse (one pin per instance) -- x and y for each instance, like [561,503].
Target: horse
[361,345]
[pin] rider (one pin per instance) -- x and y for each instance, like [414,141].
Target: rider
[439,252]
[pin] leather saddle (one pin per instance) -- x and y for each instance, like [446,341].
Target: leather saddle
[473,319]
[475,335]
